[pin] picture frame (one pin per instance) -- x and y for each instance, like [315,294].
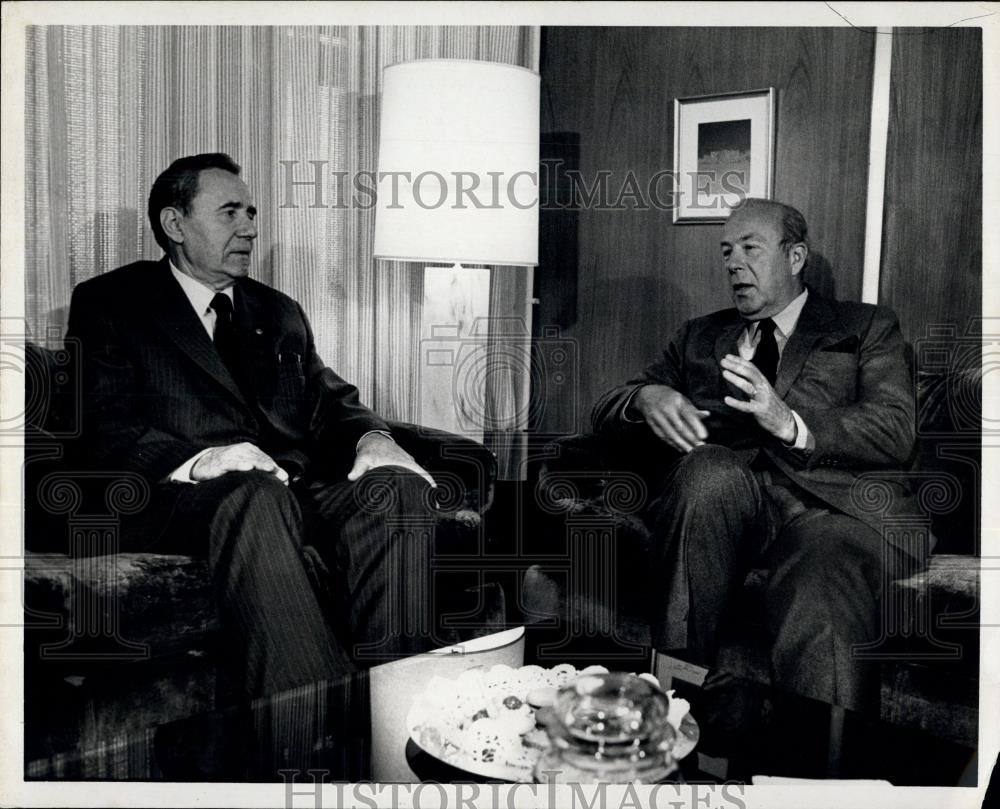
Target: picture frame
[723,151]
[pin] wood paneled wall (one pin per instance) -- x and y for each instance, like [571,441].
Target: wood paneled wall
[619,282]
[931,246]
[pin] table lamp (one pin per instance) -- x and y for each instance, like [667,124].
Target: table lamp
[457,186]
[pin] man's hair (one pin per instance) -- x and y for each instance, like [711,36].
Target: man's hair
[178,185]
[793,224]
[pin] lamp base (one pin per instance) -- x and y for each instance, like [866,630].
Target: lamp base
[454,367]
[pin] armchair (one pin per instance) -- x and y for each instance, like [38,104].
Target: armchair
[126,640]
[930,666]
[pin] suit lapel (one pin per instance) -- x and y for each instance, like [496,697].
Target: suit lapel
[255,332]
[726,343]
[175,315]
[813,324]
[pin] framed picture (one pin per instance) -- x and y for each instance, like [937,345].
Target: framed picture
[723,152]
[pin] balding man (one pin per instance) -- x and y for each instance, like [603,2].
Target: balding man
[768,412]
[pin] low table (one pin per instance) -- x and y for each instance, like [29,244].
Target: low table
[328,726]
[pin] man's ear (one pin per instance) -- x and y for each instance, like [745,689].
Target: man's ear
[797,256]
[170,221]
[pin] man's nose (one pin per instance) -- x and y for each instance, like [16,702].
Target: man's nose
[248,228]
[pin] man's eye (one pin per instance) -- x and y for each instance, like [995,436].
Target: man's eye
[726,253]
[749,247]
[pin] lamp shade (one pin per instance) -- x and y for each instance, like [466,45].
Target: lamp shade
[458,163]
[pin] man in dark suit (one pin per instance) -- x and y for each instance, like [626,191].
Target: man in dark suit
[207,383]
[770,412]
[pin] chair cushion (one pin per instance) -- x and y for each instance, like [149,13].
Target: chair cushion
[160,601]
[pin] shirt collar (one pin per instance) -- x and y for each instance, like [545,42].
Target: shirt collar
[786,320]
[199,294]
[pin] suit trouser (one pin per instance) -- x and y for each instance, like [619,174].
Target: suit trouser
[280,629]
[713,518]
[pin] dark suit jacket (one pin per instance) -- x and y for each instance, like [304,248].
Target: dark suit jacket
[155,391]
[844,371]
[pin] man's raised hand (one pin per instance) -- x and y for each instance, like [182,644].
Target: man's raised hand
[671,416]
[770,411]
[235,458]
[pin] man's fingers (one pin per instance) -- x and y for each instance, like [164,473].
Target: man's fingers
[260,460]
[675,438]
[658,426]
[244,457]
[678,443]
[658,431]
[666,429]
[743,384]
[679,424]
[425,475]
[265,463]
[359,468]
[742,368]
[736,404]
[681,443]
[408,462]
[693,420]
[740,364]
[415,467]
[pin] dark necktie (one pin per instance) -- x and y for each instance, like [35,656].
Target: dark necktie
[766,355]
[228,347]
[225,335]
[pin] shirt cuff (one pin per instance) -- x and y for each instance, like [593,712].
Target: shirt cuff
[182,474]
[625,407]
[386,433]
[804,440]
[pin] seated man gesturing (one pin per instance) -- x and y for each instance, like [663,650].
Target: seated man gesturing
[768,413]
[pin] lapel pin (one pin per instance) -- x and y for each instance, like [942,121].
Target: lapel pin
[258,331]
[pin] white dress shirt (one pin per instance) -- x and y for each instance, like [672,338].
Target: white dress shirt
[201,298]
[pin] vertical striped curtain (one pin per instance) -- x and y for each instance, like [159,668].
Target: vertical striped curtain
[108,108]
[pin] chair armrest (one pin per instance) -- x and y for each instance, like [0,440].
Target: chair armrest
[452,459]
